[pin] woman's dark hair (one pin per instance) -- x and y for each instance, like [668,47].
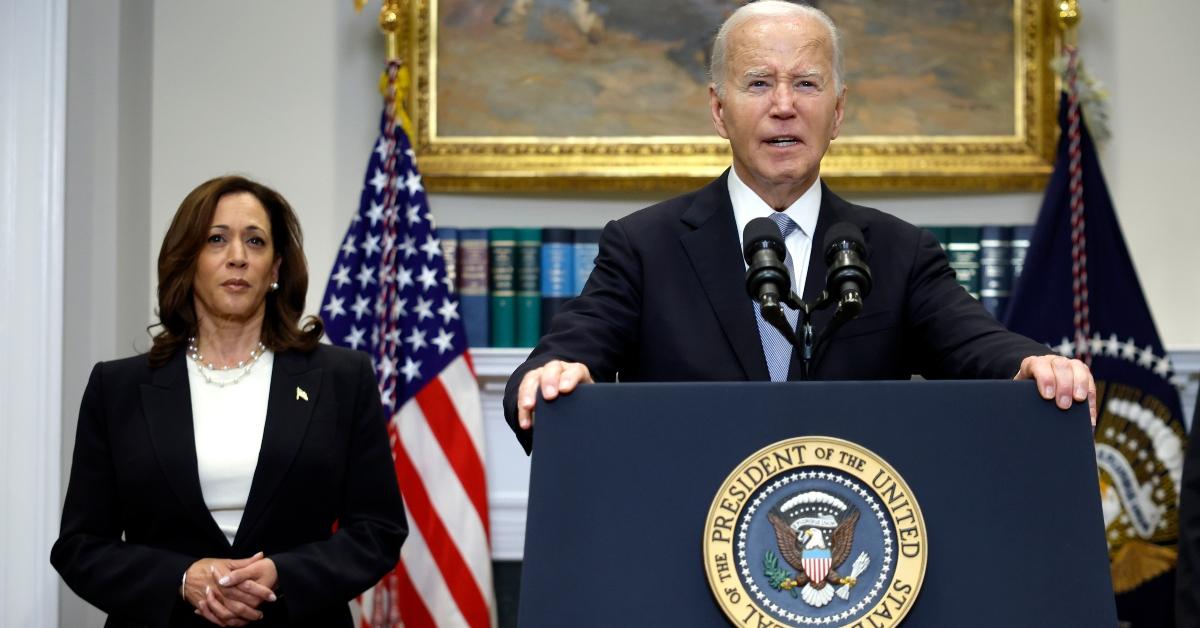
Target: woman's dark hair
[177,270]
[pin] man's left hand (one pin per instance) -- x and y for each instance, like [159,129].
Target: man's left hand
[1062,380]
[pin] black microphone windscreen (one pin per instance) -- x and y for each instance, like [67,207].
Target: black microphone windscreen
[844,232]
[762,231]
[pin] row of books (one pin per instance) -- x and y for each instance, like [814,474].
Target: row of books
[511,281]
[987,259]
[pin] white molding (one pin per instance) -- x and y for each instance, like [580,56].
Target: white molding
[33,40]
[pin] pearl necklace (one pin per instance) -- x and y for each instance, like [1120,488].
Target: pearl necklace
[205,367]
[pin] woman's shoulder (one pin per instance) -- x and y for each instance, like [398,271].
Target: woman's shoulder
[132,366]
[330,356]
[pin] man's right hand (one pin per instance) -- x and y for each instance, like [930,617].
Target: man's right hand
[553,378]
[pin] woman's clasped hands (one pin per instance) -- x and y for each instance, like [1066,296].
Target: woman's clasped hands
[228,592]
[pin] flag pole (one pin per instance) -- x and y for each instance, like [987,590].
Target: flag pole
[394,21]
[391,24]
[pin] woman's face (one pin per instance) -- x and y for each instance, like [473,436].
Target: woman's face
[237,263]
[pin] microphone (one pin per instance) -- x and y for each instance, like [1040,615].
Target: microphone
[767,280]
[849,278]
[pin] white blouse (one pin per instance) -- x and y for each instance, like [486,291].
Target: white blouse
[228,423]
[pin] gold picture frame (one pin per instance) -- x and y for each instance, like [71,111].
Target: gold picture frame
[1020,158]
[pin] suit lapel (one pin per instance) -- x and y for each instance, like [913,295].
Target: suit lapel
[167,404]
[295,385]
[715,254]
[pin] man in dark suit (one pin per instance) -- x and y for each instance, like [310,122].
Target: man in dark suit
[667,299]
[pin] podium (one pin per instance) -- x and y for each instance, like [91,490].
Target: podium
[624,475]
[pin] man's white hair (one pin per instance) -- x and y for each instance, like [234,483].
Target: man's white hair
[770,8]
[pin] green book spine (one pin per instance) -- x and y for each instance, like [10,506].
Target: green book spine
[529,286]
[503,314]
[963,250]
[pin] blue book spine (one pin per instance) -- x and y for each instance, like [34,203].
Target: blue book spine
[995,268]
[1020,246]
[587,247]
[558,272]
[473,284]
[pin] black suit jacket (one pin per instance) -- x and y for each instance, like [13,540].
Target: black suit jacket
[667,302]
[323,459]
[1187,582]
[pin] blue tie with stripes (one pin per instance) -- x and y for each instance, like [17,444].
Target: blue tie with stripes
[777,348]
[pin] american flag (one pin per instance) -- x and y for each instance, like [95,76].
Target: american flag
[389,295]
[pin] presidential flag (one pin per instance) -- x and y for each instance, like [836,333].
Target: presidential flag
[1079,294]
[389,295]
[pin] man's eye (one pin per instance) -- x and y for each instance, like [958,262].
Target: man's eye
[758,83]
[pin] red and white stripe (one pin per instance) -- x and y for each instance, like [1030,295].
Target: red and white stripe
[1079,276]
[444,577]
[816,568]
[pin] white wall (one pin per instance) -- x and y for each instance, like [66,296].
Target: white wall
[165,95]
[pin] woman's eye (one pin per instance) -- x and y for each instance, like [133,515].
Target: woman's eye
[256,241]
[216,238]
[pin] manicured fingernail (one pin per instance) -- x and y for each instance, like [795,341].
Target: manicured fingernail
[1064,402]
[224,581]
[1048,392]
[272,598]
[206,591]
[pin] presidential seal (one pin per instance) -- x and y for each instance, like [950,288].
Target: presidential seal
[815,531]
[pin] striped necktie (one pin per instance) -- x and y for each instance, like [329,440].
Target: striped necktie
[776,348]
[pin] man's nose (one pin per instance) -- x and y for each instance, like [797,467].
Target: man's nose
[783,100]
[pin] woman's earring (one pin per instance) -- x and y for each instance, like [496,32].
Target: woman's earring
[274,286]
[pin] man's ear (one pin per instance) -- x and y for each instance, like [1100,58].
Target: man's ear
[839,113]
[716,109]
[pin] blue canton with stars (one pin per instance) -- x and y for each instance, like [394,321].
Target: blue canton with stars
[388,292]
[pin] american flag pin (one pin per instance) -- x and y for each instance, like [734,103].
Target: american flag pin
[300,394]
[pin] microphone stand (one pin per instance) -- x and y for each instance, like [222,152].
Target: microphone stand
[772,311]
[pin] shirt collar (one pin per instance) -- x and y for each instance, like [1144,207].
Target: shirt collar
[747,206]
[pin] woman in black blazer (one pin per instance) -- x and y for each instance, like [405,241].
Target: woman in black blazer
[240,472]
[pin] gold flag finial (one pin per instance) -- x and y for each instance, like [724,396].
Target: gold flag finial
[1068,14]
[391,23]
[1068,19]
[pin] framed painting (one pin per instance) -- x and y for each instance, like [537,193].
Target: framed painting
[544,95]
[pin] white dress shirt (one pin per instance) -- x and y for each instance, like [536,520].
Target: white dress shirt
[747,206]
[228,424]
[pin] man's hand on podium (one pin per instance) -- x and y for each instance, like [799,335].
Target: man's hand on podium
[554,378]
[1062,380]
